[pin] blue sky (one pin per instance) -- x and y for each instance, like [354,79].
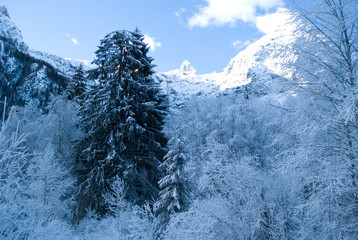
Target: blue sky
[208,33]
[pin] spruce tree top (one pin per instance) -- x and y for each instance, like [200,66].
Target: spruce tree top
[123,54]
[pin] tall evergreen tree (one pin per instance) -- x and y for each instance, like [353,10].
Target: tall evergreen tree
[77,87]
[172,190]
[122,121]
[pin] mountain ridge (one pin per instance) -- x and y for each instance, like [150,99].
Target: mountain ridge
[27,73]
[262,61]
[267,59]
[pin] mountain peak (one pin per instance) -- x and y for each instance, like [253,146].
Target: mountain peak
[8,29]
[187,68]
[4,12]
[268,56]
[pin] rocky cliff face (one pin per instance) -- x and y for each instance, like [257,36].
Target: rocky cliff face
[24,73]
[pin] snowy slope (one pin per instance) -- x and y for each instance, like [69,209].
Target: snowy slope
[9,31]
[267,59]
[26,73]
[34,73]
[264,58]
[12,35]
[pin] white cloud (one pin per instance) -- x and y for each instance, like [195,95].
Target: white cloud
[75,41]
[180,12]
[241,44]
[222,12]
[269,22]
[151,42]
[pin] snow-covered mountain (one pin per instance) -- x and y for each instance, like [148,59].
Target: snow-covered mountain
[266,59]
[8,30]
[26,73]
[184,82]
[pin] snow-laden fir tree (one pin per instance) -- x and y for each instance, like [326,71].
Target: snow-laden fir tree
[122,120]
[172,190]
[77,87]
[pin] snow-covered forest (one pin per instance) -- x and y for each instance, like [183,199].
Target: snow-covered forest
[268,149]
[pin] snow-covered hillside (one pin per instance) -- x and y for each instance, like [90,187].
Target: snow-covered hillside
[8,29]
[262,61]
[182,83]
[9,32]
[27,73]
[265,58]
